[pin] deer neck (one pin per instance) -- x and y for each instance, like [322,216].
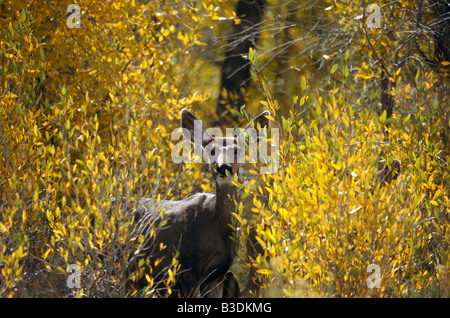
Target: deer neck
[224,206]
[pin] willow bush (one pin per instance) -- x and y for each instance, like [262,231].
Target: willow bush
[86,115]
[325,221]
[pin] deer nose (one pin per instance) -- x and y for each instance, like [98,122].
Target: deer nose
[222,170]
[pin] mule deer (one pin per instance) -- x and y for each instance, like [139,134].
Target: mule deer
[197,228]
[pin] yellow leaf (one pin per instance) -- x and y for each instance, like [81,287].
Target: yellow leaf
[264,271]
[46,253]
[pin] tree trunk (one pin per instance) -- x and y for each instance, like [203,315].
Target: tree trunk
[236,69]
[442,30]
[387,99]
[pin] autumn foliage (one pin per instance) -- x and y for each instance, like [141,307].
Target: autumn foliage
[86,114]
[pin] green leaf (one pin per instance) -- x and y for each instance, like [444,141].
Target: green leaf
[235,112]
[251,55]
[434,104]
[405,120]
[285,123]
[334,68]
[244,112]
[318,110]
[10,28]
[302,100]
[383,116]
[345,71]
[253,74]
[388,120]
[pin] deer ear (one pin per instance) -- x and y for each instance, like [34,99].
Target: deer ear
[261,119]
[197,132]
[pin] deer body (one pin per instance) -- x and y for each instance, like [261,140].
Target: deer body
[197,229]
